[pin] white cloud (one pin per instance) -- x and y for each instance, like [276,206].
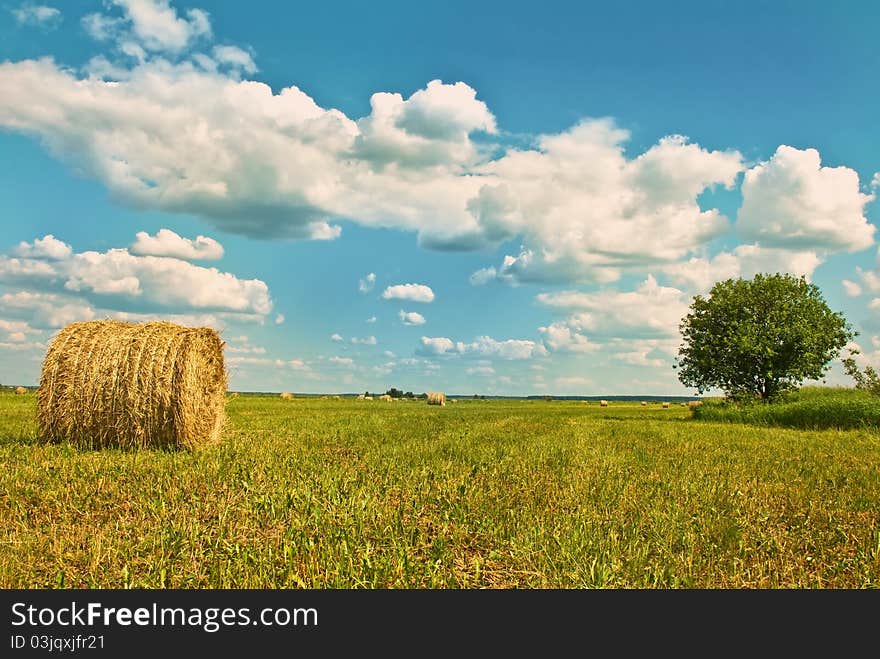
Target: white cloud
[341,361]
[439,345]
[366,340]
[411,292]
[39,15]
[792,201]
[235,57]
[371,319]
[336,338]
[156,25]
[566,337]
[585,210]
[482,346]
[851,288]
[366,284]
[411,318]
[48,309]
[700,274]
[266,164]
[47,247]
[480,370]
[126,282]
[875,182]
[649,308]
[168,243]
[482,276]
[655,353]
[870,280]
[279,319]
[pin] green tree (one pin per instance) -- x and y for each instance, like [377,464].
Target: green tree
[867,380]
[759,338]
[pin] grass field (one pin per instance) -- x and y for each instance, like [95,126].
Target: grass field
[496,494]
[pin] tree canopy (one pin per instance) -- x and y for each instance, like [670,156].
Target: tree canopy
[758,338]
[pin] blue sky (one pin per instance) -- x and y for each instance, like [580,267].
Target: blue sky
[495,198]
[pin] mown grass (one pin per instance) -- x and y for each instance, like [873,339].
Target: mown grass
[502,494]
[810,408]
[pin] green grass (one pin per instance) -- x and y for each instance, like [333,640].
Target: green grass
[811,408]
[499,494]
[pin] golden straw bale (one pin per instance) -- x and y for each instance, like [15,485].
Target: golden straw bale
[695,403]
[436,398]
[20,390]
[666,406]
[286,395]
[644,403]
[603,403]
[108,383]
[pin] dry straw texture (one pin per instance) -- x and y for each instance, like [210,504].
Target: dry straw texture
[603,403]
[436,398]
[665,406]
[20,390]
[107,383]
[287,395]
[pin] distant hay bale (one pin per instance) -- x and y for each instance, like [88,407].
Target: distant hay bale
[361,397]
[368,398]
[337,397]
[684,404]
[20,390]
[644,403]
[286,395]
[665,406]
[436,398]
[694,404]
[385,397]
[108,383]
[603,403]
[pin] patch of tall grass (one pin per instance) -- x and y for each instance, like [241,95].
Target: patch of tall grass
[809,408]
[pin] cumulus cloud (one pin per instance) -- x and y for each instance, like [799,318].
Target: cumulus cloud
[153,25]
[168,243]
[166,122]
[235,57]
[37,15]
[699,274]
[341,361]
[480,370]
[851,288]
[411,318]
[482,346]
[371,319]
[365,340]
[366,284]
[566,336]
[48,310]
[793,201]
[47,247]
[336,338]
[60,283]
[268,164]
[483,276]
[411,292]
[650,308]
[279,319]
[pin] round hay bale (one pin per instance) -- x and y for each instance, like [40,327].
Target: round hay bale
[603,403]
[286,395]
[20,390]
[385,397]
[666,406]
[644,403]
[108,383]
[436,398]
